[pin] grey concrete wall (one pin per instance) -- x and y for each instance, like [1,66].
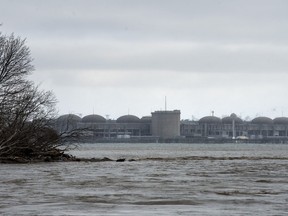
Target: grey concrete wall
[166,124]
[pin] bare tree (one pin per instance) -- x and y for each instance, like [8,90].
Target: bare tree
[26,113]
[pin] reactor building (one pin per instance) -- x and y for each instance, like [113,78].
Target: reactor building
[166,124]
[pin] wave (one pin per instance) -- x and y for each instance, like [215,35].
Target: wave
[237,192]
[167,202]
[212,158]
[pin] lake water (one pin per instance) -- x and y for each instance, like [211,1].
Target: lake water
[165,179]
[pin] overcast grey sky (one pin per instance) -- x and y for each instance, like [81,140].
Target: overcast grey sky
[124,56]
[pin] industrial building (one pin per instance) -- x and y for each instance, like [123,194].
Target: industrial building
[233,127]
[166,125]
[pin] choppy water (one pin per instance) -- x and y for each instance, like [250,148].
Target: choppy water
[165,179]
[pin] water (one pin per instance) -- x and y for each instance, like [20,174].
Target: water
[165,179]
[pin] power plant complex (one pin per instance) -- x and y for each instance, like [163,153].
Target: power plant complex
[166,126]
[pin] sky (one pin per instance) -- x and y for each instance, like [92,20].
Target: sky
[119,57]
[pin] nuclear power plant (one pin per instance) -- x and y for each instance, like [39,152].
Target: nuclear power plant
[168,126]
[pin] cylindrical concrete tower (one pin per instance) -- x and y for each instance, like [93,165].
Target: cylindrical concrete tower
[166,124]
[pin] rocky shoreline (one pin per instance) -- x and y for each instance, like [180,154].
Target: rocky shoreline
[58,158]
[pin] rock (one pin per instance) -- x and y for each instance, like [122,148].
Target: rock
[121,160]
[66,156]
[48,159]
[106,159]
[93,160]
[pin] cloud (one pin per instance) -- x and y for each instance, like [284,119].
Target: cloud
[227,56]
[257,20]
[193,95]
[160,55]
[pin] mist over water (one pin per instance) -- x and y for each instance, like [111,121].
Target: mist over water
[164,179]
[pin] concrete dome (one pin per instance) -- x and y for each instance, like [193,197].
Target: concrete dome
[93,119]
[128,119]
[210,120]
[146,119]
[229,119]
[69,118]
[281,120]
[262,120]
